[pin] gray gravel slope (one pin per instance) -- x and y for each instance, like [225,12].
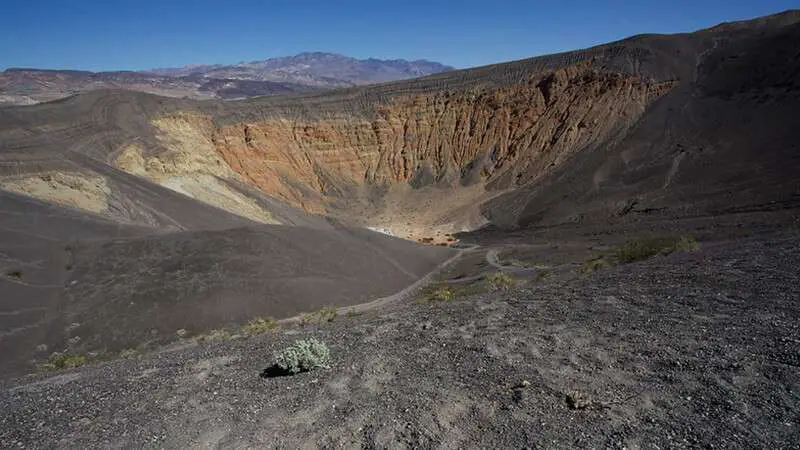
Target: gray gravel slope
[688,350]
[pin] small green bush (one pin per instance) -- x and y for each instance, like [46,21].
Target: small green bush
[61,361]
[578,400]
[303,356]
[544,275]
[500,281]
[327,314]
[641,249]
[687,244]
[15,274]
[440,294]
[595,264]
[260,325]
[322,315]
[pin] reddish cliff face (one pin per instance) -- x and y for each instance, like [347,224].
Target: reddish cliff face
[494,136]
[504,136]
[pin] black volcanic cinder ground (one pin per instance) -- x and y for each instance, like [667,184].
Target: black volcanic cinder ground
[68,274]
[690,350]
[694,348]
[725,141]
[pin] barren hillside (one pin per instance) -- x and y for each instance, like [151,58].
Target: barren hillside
[623,222]
[491,130]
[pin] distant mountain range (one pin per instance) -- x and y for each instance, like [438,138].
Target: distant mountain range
[299,73]
[315,69]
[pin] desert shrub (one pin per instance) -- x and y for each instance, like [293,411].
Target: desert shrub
[15,274]
[303,355]
[440,294]
[500,281]
[61,361]
[687,244]
[322,315]
[595,264]
[578,400]
[641,249]
[327,314]
[260,325]
[544,275]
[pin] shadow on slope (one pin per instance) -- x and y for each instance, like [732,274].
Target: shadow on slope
[76,282]
[36,246]
[725,141]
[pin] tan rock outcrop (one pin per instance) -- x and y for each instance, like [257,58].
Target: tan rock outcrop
[191,166]
[74,189]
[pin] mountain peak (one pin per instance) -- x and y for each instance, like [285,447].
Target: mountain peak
[319,69]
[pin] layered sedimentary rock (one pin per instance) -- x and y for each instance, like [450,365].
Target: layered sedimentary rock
[501,135]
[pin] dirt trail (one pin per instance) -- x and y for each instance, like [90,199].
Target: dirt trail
[493,258]
[396,297]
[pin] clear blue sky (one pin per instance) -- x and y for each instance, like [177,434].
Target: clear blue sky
[142,34]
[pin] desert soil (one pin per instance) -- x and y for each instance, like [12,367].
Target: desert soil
[688,350]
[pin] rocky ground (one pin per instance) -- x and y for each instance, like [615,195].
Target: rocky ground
[560,161]
[72,282]
[696,349]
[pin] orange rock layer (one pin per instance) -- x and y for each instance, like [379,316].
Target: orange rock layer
[505,136]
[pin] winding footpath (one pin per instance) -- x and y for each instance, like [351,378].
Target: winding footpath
[402,295]
[492,258]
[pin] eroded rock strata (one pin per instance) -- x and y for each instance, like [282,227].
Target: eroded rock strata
[503,136]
